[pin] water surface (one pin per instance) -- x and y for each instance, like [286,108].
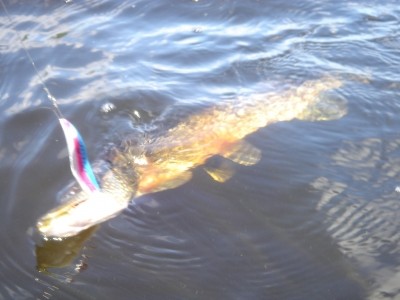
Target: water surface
[316,218]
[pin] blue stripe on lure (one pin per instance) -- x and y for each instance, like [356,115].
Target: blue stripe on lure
[79,162]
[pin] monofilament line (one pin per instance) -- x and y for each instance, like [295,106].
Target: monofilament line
[51,98]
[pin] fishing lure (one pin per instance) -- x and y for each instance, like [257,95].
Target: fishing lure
[78,159]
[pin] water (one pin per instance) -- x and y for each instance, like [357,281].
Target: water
[316,218]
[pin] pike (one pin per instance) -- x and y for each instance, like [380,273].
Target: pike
[166,160]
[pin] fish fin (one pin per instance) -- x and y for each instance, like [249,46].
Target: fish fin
[177,181]
[243,153]
[221,173]
[328,107]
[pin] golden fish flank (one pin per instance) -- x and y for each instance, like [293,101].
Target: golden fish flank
[167,161]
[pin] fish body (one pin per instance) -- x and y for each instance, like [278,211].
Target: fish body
[167,160]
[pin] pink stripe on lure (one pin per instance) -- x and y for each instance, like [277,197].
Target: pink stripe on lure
[80,165]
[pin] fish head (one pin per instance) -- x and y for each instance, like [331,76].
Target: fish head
[323,101]
[81,210]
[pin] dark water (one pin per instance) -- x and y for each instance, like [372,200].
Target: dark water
[317,218]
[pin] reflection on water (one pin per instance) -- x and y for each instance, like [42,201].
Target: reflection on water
[316,218]
[362,206]
[60,253]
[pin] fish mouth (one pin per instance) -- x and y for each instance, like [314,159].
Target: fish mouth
[82,209]
[76,215]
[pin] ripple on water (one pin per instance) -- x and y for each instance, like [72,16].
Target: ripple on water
[361,206]
[316,218]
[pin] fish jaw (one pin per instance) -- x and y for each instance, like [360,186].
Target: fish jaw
[81,209]
[79,214]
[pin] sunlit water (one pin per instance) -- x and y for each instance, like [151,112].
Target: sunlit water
[317,218]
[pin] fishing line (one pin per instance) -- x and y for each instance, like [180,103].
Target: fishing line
[47,91]
[79,163]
